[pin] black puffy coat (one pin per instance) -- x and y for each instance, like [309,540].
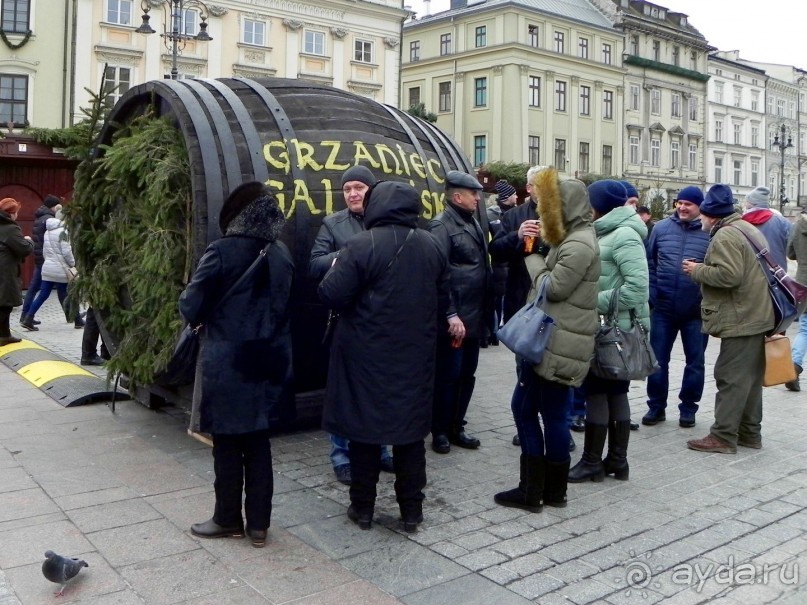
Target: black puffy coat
[334,232]
[506,246]
[41,216]
[246,351]
[381,372]
[466,247]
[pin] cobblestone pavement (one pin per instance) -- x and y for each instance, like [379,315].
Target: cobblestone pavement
[121,491]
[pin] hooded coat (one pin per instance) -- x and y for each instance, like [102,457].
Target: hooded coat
[572,267]
[246,356]
[381,371]
[776,230]
[13,250]
[56,252]
[797,247]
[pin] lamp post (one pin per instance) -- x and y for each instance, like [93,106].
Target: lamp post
[780,144]
[177,36]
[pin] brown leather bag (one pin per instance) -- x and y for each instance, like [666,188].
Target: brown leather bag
[779,367]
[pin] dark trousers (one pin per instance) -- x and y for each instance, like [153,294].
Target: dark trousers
[33,290]
[5,328]
[578,404]
[664,329]
[243,463]
[454,383]
[409,462]
[89,340]
[534,395]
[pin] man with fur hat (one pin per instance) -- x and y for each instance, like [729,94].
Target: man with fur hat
[775,227]
[675,301]
[50,206]
[336,229]
[737,309]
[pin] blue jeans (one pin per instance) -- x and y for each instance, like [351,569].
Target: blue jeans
[578,404]
[33,290]
[339,451]
[532,396]
[664,329]
[800,342]
[45,289]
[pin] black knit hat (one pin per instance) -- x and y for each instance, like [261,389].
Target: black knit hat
[359,173]
[51,201]
[505,190]
[240,198]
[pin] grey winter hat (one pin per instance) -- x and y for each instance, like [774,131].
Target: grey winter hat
[759,198]
[359,173]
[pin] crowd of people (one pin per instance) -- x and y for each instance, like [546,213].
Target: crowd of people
[411,307]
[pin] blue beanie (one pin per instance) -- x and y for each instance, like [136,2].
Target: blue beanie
[690,194]
[719,201]
[630,189]
[606,195]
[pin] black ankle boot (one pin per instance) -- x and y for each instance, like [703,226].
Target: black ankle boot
[27,322]
[363,519]
[590,467]
[527,496]
[556,478]
[616,462]
[211,529]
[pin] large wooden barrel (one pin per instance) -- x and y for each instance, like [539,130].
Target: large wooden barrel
[298,137]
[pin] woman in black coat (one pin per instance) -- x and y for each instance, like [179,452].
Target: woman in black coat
[245,358]
[13,250]
[387,284]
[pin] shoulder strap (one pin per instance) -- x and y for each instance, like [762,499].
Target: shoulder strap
[762,252]
[245,274]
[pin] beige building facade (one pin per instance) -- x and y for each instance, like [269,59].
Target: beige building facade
[514,82]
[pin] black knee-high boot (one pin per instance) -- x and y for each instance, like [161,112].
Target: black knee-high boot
[556,478]
[616,462]
[527,496]
[590,467]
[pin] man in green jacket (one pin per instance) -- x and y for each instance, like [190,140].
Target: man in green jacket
[736,308]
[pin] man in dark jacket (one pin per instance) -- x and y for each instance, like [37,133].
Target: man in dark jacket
[336,229]
[387,286]
[464,243]
[47,210]
[675,301]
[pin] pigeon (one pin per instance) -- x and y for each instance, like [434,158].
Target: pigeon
[61,570]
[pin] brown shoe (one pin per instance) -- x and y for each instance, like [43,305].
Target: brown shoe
[710,443]
[755,444]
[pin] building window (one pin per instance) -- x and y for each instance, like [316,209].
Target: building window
[535,91]
[117,11]
[534,150]
[634,97]
[16,16]
[363,51]
[792,113]
[718,170]
[480,149]
[414,50]
[13,99]
[634,45]
[608,104]
[633,150]
[755,136]
[585,100]
[693,60]
[693,109]
[780,108]
[738,172]
[190,22]
[481,36]
[117,81]
[582,48]
[718,92]
[754,100]
[693,156]
[414,96]
[254,32]
[738,96]
[480,92]
[770,104]
[675,154]
[606,54]
[584,156]
[738,133]
[656,50]
[445,44]
[607,159]
[676,105]
[655,152]
[719,131]
[532,35]
[676,56]
[559,42]
[314,43]
[754,173]
[655,101]
[560,154]
[444,97]
[560,96]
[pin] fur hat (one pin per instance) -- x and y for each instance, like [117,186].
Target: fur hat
[690,194]
[51,201]
[759,198]
[9,205]
[719,201]
[630,189]
[359,173]
[607,194]
[505,190]
[241,197]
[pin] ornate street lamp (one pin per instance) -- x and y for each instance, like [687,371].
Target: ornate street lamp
[780,144]
[177,37]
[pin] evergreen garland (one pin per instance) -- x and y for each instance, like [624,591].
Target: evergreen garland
[20,44]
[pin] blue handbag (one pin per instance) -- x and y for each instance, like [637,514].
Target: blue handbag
[528,332]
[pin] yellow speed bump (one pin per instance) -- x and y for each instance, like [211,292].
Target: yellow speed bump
[19,346]
[42,372]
